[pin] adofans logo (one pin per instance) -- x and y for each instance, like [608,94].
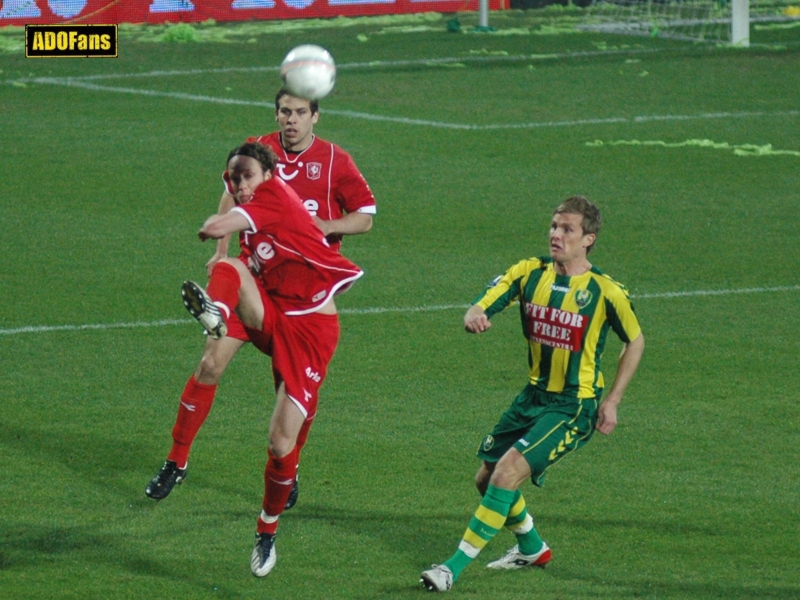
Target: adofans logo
[47,41]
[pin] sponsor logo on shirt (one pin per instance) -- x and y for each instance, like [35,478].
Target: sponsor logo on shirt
[265,251]
[283,174]
[556,327]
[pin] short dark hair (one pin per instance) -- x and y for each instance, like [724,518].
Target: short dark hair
[312,104]
[263,154]
[580,205]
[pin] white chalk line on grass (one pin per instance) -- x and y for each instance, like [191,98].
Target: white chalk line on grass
[758,290]
[420,62]
[84,84]
[384,310]
[51,328]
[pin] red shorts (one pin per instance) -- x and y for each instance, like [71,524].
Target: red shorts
[235,328]
[301,347]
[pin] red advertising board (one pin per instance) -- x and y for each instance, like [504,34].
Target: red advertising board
[22,12]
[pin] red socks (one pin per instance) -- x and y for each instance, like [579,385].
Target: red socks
[278,481]
[223,286]
[195,405]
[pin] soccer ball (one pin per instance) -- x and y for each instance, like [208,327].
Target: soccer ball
[308,71]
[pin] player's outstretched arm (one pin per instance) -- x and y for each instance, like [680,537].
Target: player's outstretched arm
[476,321]
[218,226]
[628,363]
[351,224]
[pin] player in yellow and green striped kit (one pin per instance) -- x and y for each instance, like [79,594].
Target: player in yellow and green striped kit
[567,307]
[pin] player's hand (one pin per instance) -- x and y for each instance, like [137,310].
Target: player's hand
[607,417]
[203,235]
[476,321]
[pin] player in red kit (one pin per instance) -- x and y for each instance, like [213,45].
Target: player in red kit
[336,194]
[282,289]
[323,175]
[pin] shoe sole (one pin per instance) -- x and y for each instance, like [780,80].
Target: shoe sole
[431,585]
[428,584]
[197,303]
[192,299]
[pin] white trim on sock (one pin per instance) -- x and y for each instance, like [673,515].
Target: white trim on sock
[469,549]
[522,528]
[267,519]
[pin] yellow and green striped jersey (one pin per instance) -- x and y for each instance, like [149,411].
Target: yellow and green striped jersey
[566,322]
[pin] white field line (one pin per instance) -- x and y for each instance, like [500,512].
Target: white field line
[421,62]
[391,309]
[81,83]
[86,82]
[758,290]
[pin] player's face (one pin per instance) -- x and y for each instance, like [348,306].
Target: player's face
[568,242]
[296,122]
[246,174]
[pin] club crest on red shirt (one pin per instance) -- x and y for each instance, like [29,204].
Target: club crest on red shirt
[314,170]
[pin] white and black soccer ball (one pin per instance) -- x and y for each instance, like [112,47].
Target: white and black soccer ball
[308,71]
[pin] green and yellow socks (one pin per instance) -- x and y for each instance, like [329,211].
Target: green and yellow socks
[520,523]
[499,508]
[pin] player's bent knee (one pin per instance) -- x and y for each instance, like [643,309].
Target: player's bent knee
[511,471]
[281,447]
[234,262]
[213,363]
[281,443]
[209,371]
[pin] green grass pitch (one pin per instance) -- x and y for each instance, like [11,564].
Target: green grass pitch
[109,166]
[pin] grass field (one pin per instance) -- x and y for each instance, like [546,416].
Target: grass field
[468,141]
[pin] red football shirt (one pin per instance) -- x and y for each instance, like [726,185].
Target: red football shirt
[324,176]
[296,265]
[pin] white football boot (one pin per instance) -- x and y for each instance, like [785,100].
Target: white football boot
[437,579]
[202,308]
[264,556]
[514,559]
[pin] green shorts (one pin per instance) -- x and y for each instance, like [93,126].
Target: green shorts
[543,427]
